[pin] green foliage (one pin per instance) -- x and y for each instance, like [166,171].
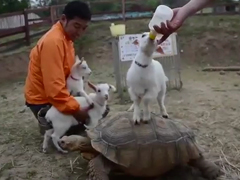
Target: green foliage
[105,7]
[142,5]
[117,5]
[151,3]
[7,6]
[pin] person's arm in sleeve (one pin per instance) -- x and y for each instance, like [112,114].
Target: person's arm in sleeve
[193,6]
[52,56]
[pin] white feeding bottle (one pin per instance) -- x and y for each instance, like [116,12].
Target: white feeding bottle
[161,14]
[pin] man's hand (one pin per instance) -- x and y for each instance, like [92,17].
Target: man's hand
[82,115]
[179,16]
[171,26]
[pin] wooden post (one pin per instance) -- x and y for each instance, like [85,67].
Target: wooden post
[123,10]
[89,4]
[116,63]
[52,14]
[239,6]
[27,30]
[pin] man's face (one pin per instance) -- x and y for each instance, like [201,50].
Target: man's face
[75,27]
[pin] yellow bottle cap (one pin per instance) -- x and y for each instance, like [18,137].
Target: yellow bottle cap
[152,36]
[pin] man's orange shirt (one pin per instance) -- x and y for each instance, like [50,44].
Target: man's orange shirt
[50,64]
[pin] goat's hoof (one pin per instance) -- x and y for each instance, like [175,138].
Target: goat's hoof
[136,122]
[136,119]
[63,151]
[90,102]
[22,111]
[145,121]
[166,116]
[44,150]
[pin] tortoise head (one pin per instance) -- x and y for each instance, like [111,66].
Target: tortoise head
[69,143]
[74,143]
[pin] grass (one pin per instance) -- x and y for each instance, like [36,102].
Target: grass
[197,25]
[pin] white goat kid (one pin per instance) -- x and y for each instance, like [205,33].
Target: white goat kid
[75,81]
[146,80]
[62,122]
[100,98]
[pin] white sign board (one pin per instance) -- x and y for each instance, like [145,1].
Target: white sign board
[128,46]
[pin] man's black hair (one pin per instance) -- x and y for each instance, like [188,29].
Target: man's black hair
[77,9]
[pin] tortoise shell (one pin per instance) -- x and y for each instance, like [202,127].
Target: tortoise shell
[145,149]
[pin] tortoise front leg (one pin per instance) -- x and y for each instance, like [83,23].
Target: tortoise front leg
[99,168]
[209,169]
[88,155]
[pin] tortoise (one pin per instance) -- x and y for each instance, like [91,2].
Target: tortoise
[144,150]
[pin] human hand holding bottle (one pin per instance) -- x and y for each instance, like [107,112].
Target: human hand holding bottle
[171,26]
[179,16]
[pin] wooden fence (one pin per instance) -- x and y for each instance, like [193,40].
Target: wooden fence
[28,27]
[28,21]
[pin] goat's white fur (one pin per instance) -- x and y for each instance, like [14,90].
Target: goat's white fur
[147,83]
[62,122]
[75,82]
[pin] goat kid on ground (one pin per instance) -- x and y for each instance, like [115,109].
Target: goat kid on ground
[62,122]
[146,80]
[75,81]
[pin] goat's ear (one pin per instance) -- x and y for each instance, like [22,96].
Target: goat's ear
[91,85]
[112,87]
[76,58]
[78,62]
[81,60]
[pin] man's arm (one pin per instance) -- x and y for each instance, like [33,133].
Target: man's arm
[52,54]
[193,6]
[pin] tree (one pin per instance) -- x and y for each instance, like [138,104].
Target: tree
[7,6]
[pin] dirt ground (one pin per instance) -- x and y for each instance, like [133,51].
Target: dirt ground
[208,103]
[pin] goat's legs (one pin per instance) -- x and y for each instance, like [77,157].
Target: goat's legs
[132,106]
[47,137]
[136,102]
[136,112]
[147,98]
[146,112]
[59,131]
[160,100]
